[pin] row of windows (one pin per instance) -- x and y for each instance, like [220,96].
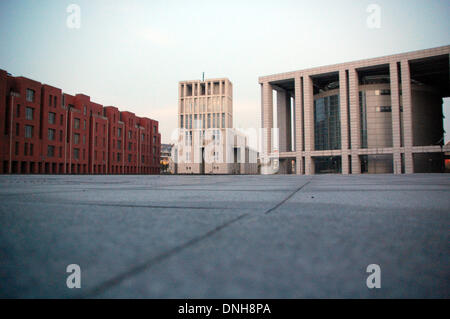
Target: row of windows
[202,120]
[29,112]
[30,97]
[28,149]
[52,98]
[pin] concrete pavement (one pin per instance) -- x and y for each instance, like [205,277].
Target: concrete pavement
[225,236]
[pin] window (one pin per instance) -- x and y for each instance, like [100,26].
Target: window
[143,159]
[16,150]
[84,153]
[28,131]
[60,151]
[84,124]
[84,109]
[130,134]
[76,153]
[155,130]
[143,137]
[119,157]
[50,100]
[54,101]
[76,123]
[181,121]
[61,119]
[31,149]
[51,118]
[119,132]
[29,112]
[30,95]
[129,157]
[51,134]
[154,139]
[60,135]
[18,110]
[119,145]
[363,118]
[383,92]
[25,149]
[50,151]
[129,146]
[327,125]
[84,139]
[76,138]
[223,120]
[384,109]
[17,129]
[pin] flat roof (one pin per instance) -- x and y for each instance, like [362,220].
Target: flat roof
[419,54]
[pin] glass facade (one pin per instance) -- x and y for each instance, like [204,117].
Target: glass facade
[327,123]
[363,118]
[328,165]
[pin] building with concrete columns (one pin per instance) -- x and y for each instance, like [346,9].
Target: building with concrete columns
[380,115]
[207,142]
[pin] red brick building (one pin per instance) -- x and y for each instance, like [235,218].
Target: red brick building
[46,131]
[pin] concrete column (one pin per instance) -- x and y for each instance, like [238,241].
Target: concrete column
[309,123]
[309,113]
[267,116]
[407,116]
[356,163]
[395,106]
[344,121]
[298,125]
[309,165]
[355,124]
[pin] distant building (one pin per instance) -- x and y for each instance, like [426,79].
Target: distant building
[381,115]
[46,131]
[447,157]
[166,158]
[207,142]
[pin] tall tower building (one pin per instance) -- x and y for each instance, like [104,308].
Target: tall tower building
[208,144]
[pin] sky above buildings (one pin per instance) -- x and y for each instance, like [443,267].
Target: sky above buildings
[131,54]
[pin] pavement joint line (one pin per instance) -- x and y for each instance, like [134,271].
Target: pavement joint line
[134,206]
[144,206]
[146,265]
[155,260]
[287,198]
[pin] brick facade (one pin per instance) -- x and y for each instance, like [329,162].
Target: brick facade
[46,131]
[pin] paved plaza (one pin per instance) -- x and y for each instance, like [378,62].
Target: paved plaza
[225,236]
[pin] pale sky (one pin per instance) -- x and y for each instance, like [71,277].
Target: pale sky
[132,54]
